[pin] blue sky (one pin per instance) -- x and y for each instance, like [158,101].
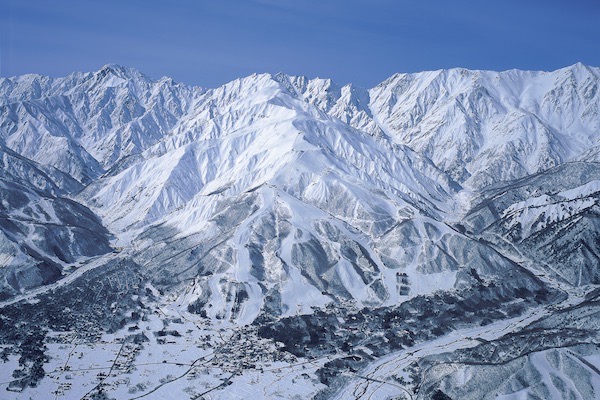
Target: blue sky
[208,43]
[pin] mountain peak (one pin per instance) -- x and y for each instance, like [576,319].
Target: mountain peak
[115,74]
[581,70]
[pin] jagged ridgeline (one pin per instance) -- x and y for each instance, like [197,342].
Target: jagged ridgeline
[332,222]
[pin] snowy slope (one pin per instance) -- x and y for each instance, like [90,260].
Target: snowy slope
[41,232]
[478,126]
[484,126]
[550,219]
[84,123]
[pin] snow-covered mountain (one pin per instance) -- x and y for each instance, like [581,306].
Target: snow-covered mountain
[433,203]
[84,123]
[41,232]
